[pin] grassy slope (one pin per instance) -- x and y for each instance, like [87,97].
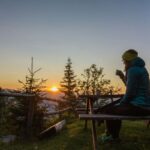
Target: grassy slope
[134,135]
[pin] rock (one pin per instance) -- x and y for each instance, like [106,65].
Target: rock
[8,138]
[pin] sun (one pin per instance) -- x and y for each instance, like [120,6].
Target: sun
[54,89]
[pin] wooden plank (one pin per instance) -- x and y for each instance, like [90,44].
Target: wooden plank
[16,94]
[94,97]
[84,109]
[51,131]
[58,112]
[94,135]
[30,116]
[111,117]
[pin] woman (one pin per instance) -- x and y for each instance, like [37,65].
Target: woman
[136,100]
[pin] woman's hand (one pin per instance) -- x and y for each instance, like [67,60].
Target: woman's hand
[120,74]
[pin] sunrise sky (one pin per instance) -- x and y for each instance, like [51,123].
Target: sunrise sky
[87,31]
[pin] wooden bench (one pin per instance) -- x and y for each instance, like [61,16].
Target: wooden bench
[90,99]
[94,117]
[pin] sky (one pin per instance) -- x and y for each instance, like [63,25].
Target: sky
[87,31]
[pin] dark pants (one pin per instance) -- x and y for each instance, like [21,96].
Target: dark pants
[113,126]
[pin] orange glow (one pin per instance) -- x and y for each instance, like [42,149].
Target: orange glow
[54,89]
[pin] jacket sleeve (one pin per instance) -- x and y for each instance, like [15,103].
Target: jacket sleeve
[131,85]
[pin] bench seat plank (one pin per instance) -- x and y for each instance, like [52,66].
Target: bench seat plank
[111,117]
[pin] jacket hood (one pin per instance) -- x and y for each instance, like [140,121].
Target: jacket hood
[139,62]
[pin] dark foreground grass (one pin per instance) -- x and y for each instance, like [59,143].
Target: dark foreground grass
[134,135]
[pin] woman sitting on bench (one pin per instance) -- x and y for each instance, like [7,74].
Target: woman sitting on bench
[136,100]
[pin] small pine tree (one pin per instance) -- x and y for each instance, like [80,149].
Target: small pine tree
[68,85]
[20,112]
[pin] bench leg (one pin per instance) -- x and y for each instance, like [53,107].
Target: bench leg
[87,107]
[94,136]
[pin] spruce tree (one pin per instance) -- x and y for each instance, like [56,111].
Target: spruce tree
[68,85]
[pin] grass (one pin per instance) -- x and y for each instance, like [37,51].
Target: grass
[134,135]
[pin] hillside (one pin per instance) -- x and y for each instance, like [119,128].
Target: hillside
[134,135]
